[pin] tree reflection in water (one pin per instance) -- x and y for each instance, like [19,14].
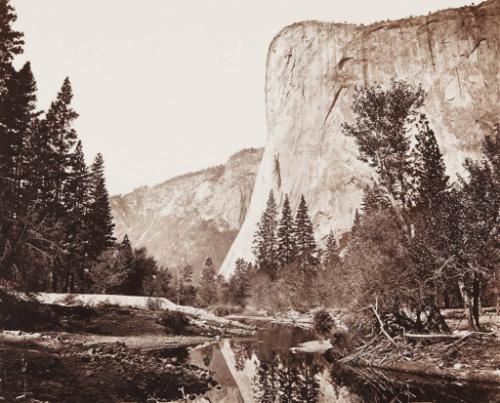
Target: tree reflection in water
[286,377]
[207,353]
[264,369]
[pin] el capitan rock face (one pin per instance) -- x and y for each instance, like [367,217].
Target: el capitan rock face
[190,217]
[312,70]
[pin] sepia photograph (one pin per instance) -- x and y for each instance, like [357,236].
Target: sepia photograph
[235,201]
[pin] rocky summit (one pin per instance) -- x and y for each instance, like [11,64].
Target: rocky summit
[190,217]
[313,69]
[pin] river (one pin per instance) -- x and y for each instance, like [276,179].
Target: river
[267,368]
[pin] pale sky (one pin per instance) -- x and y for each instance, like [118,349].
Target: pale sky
[164,87]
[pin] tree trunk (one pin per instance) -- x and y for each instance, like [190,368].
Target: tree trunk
[446,300]
[437,319]
[476,300]
[81,278]
[418,320]
[468,304]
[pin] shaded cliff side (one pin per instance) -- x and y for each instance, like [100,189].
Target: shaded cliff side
[312,70]
[190,217]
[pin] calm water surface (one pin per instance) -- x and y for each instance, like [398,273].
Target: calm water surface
[265,368]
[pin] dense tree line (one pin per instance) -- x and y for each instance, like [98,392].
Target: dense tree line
[420,241]
[54,211]
[432,237]
[290,269]
[56,229]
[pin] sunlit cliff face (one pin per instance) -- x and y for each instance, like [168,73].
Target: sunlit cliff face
[312,70]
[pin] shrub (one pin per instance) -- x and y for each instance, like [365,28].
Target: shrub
[323,322]
[174,321]
[225,310]
[153,304]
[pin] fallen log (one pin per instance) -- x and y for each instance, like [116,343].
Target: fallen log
[447,336]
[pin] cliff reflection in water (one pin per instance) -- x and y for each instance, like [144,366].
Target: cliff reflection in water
[268,369]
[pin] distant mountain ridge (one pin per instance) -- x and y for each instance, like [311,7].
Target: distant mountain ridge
[192,216]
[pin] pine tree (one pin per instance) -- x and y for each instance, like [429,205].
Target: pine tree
[239,284]
[187,274]
[58,123]
[17,114]
[129,267]
[331,255]
[100,219]
[285,249]
[77,188]
[306,249]
[11,41]
[126,243]
[77,227]
[183,284]
[356,223]
[264,243]
[374,199]
[10,45]
[428,168]
[208,283]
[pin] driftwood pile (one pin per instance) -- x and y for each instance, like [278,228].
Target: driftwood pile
[395,336]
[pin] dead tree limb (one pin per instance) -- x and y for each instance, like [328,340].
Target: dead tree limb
[382,327]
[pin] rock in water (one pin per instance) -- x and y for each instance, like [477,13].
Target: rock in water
[312,70]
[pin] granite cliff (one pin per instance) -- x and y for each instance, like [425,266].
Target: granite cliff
[189,217]
[312,71]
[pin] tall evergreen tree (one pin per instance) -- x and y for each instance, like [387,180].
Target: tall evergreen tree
[58,123]
[239,283]
[285,249]
[100,219]
[39,157]
[77,227]
[186,290]
[11,42]
[17,115]
[331,255]
[304,236]
[208,283]
[429,170]
[77,188]
[264,243]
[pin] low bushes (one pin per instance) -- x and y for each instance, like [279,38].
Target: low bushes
[175,322]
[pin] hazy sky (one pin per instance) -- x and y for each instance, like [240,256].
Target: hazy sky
[164,87]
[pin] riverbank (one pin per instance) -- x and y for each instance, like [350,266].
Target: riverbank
[76,348]
[98,372]
[461,355]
